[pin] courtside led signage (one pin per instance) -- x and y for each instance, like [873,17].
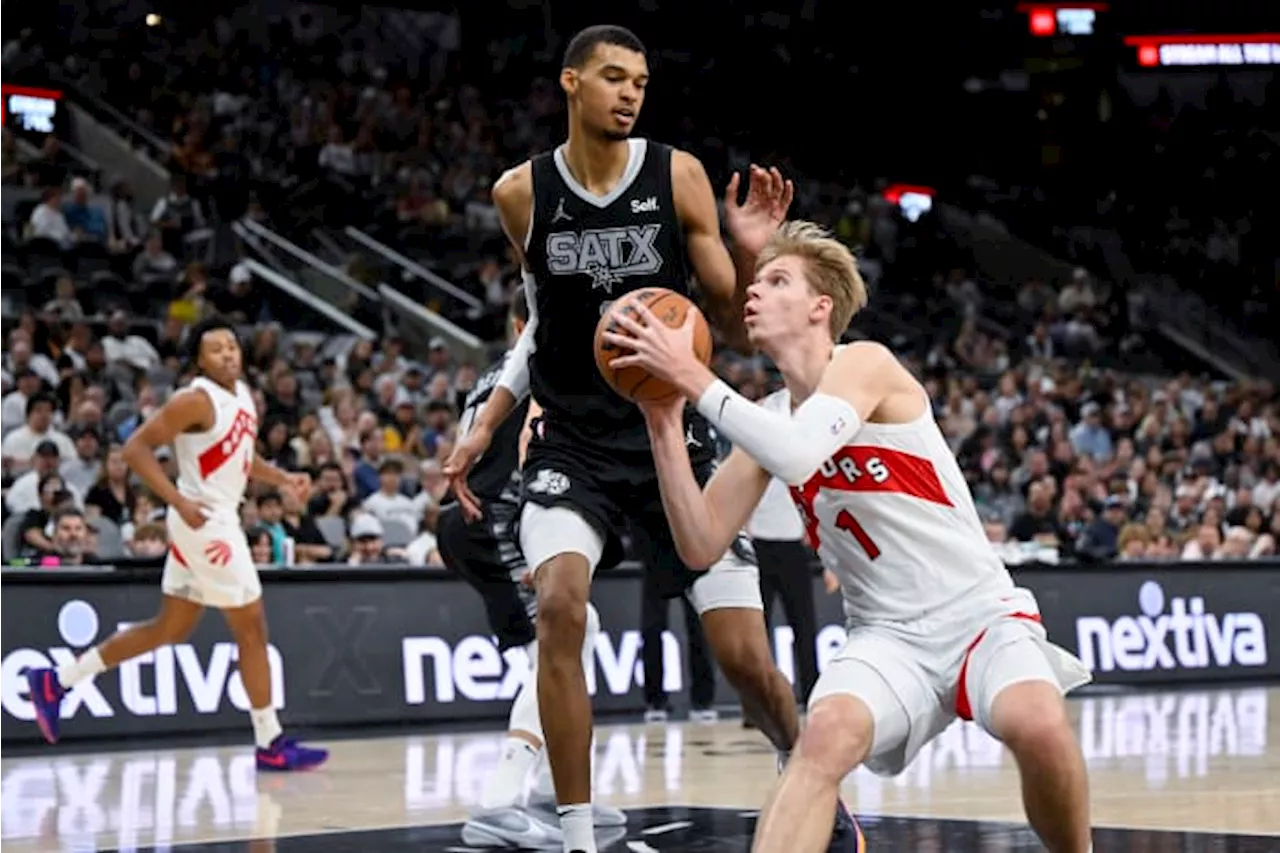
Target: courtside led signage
[1217,51]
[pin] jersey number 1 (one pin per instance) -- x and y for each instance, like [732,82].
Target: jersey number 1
[845,521]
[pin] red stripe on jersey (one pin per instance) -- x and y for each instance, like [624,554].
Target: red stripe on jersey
[244,426]
[867,468]
[870,469]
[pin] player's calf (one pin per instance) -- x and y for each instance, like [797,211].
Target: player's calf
[740,644]
[805,806]
[1030,717]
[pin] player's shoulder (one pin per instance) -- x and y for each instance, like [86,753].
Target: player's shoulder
[862,356]
[514,185]
[685,165]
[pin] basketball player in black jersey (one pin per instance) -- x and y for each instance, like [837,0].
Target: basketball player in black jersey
[487,555]
[602,215]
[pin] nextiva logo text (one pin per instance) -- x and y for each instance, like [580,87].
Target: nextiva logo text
[205,682]
[475,669]
[1181,634]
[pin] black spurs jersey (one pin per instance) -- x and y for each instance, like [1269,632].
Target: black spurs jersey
[584,251]
[496,474]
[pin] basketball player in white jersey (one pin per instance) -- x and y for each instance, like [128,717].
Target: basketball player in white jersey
[212,425]
[937,627]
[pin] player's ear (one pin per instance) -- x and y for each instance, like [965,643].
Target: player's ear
[569,80]
[821,309]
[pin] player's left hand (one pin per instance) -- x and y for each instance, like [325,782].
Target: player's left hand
[665,352]
[300,484]
[753,222]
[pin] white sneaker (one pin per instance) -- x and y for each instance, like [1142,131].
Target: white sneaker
[704,715]
[601,815]
[512,827]
[656,715]
[607,816]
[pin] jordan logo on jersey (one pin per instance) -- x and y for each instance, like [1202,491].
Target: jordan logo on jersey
[244,426]
[608,255]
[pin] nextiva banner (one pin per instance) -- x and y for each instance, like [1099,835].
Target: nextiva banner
[1138,624]
[342,651]
[411,647]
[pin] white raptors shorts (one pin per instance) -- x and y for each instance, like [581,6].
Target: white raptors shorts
[211,566]
[917,677]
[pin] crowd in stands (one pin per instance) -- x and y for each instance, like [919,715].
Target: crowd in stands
[1067,461]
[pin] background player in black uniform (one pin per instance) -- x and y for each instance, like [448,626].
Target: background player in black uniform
[603,215]
[485,552]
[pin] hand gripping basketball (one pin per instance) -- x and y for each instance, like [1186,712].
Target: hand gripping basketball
[644,340]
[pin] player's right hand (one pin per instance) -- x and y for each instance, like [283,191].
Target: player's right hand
[195,514]
[464,455]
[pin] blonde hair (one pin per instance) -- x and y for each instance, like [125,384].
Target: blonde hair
[830,267]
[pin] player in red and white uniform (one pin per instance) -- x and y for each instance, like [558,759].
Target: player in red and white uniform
[937,628]
[212,425]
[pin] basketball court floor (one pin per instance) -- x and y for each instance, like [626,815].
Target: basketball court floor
[1171,771]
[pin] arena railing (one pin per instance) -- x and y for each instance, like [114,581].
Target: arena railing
[414,268]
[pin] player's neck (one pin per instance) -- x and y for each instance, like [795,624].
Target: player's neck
[597,163]
[224,386]
[802,363]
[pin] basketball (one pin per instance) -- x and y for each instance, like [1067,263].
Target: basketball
[636,383]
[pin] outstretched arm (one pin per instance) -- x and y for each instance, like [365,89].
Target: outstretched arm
[723,277]
[703,523]
[513,197]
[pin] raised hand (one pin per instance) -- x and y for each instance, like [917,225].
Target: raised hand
[753,221]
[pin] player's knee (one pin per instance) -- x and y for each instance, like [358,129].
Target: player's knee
[248,625]
[837,736]
[562,611]
[1030,717]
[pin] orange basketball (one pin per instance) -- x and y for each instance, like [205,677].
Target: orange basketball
[636,383]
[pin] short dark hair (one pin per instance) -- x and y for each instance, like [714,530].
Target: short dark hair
[584,43]
[39,399]
[520,306]
[67,512]
[212,323]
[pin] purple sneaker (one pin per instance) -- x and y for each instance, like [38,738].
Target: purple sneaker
[286,754]
[46,698]
[847,836]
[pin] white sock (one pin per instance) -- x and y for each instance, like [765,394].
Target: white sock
[85,667]
[525,715]
[575,823]
[266,726]
[544,786]
[506,786]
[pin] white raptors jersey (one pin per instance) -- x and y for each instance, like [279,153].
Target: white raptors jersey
[891,514]
[213,466]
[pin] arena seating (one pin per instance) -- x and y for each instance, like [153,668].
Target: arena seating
[96,318]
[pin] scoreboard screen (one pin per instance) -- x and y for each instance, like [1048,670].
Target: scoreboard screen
[28,109]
